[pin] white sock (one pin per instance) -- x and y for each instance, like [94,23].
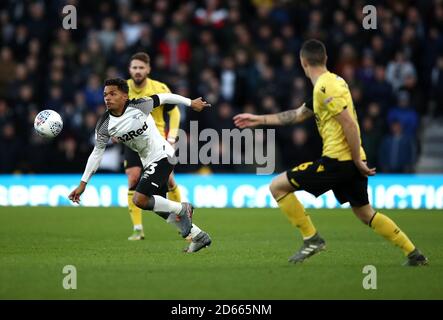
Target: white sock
[138,227]
[164,205]
[194,231]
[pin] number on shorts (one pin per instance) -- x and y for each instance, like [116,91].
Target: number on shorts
[151,168]
[303,166]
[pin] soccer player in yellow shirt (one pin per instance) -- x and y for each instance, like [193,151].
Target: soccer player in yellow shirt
[342,167]
[140,85]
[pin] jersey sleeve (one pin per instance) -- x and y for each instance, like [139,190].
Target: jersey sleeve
[145,104]
[168,106]
[101,139]
[101,132]
[172,98]
[93,163]
[333,96]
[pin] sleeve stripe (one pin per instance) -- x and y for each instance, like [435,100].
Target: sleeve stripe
[144,104]
[101,132]
[102,120]
[156,100]
[103,127]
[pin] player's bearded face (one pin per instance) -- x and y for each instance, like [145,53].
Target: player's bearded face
[139,71]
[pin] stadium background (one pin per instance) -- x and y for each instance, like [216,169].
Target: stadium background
[242,56]
[244,59]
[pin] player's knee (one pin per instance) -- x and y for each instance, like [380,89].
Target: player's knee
[143,202]
[280,186]
[137,201]
[275,189]
[171,182]
[364,213]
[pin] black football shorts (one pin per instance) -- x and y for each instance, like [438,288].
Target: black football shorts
[154,178]
[324,174]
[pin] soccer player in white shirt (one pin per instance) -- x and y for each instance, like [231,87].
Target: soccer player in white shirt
[130,122]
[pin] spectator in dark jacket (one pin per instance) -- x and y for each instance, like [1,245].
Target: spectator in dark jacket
[397,152]
[404,114]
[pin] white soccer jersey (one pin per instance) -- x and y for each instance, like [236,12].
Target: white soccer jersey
[136,129]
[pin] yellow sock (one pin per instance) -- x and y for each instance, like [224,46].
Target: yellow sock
[134,211]
[174,194]
[390,231]
[295,211]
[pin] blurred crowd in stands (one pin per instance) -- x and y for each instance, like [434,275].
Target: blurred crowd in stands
[242,56]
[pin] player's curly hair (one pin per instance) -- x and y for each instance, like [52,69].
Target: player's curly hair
[120,83]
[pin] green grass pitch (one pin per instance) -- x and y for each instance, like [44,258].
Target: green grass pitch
[247,260]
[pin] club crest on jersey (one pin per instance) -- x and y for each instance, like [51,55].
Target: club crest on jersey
[138,116]
[133,133]
[327,100]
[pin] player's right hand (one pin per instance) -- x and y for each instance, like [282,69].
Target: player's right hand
[172,141]
[246,120]
[364,169]
[74,196]
[199,104]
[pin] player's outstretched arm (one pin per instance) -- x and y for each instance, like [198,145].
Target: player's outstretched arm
[91,167]
[247,120]
[171,98]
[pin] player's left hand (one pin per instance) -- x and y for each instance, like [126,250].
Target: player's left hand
[364,169]
[199,104]
[74,196]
